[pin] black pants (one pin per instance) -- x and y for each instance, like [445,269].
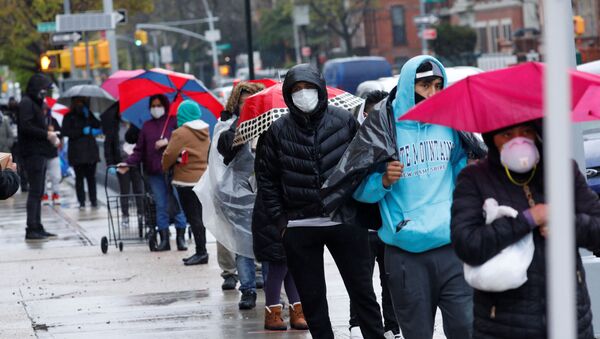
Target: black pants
[88,172]
[349,247]
[128,181]
[35,167]
[377,253]
[192,208]
[422,282]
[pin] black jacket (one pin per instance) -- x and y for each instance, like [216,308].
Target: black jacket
[113,150]
[294,158]
[225,143]
[32,122]
[521,312]
[82,148]
[9,184]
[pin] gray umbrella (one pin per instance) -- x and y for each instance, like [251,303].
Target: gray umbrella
[100,100]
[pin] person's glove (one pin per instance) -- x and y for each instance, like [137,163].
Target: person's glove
[112,171]
[96,131]
[86,130]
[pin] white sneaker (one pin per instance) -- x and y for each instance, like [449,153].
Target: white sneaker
[391,335]
[125,222]
[355,333]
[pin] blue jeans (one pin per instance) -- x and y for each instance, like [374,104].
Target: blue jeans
[160,188]
[246,273]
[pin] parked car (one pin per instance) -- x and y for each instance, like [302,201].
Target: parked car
[348,73]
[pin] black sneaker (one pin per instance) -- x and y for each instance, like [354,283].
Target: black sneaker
[229,283]
[48,234]
[197,259]
[35,235]
[247,301]
[259,281]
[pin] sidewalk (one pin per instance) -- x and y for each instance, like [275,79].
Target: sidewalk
[66,288]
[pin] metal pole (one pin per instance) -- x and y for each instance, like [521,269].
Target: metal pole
[560,252]
[213,44]
[67,10]
[87,56]
[297,44]
[111,38]
[422,26]
[249,39]
[156,55]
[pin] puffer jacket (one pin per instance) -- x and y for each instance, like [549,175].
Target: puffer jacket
[521,312]
[298,153]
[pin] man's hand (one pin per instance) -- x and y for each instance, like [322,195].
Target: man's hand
[539,213]
[11,165]
[160,143]
[53,138]
[122,167]
[392,174]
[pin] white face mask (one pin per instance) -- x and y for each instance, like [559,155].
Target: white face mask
[306,99]
[520,155]
[157,112]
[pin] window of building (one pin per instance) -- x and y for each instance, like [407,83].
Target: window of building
[398,25]
[495,34]
[482,39]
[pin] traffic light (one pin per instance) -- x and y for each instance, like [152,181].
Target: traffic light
[51,61]
[79,56]
[103,52]
[141,37]
[579,24]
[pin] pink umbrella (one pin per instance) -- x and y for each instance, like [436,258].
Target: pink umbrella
[492,100]
[111,85]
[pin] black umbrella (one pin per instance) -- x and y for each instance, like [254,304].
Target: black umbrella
[100,100]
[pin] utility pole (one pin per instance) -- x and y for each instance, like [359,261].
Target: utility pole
[156,54]
[424,49]
[249,40]
[111,38]
[67,10]
[213,42]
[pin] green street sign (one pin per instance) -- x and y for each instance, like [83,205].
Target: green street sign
[46,27]
[222,47]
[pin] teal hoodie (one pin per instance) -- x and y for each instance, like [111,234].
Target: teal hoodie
[416,209]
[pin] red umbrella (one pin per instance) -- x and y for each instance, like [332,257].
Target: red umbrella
[57,110]
[267,82]
[496,99]
[262,108]
[111,85]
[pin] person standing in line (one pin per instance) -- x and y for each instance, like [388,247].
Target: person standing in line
[152,140]
[187,154]
[53,173]
[82,127]
[373,101]
[245,266]
[35,143]
[414,195]
[295,156]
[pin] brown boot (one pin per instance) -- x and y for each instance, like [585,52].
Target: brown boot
[273,320]
[297,320]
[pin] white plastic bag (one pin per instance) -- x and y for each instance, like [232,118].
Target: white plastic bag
[508,269]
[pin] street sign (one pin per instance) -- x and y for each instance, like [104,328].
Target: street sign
[166,54]
[430,34]
[65,38]
[426,19]
[46,27]
[214,35]
[86,22]
[301,15]
[223,47]
[123,13]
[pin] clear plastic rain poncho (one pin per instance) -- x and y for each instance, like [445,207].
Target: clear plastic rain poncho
[227,194]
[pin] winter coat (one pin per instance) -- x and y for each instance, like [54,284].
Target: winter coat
[225,143]
[518,313]
[83,148]
[7,139]
[294,158]
[144,151]
[113,143]
[193,137]
[9,183]
[32,122]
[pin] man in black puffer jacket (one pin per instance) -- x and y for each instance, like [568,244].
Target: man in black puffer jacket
[36,144]
[294,158]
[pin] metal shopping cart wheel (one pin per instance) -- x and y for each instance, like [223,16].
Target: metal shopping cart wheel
[104,245]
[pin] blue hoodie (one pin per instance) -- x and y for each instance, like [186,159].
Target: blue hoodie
[416,209]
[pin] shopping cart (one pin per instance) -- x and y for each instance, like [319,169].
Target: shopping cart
[131,217]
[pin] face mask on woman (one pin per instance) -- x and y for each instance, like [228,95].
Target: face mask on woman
[306,99]
[157,112]
[520,155]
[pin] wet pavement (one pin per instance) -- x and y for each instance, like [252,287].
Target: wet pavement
[66,288]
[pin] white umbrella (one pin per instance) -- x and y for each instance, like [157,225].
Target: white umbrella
[100,100]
